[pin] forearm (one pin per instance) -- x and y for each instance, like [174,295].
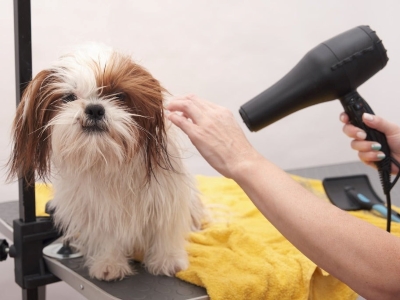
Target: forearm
[348,248]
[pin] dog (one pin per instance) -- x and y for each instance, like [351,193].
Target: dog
[93,124]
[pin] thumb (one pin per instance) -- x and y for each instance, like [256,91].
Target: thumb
[380,124]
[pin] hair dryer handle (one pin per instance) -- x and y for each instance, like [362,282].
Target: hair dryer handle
[355,106]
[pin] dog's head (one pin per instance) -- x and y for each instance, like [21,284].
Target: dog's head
[94,107]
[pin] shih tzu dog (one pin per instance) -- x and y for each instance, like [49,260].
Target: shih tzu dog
[93,124]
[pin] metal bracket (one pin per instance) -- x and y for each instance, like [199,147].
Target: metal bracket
[29,241]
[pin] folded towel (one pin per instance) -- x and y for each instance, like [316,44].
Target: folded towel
[240,255]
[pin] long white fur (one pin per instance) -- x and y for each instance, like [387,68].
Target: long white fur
[100,200]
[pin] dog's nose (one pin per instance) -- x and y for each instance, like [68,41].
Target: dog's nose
[95,111]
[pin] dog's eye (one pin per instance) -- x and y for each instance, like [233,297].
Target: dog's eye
[69,97]
[120,96]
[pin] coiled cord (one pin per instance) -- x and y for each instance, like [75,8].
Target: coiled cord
[384,169]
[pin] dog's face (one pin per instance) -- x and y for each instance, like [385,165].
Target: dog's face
[94,107]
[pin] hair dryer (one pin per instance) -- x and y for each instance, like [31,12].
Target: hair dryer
[332,70]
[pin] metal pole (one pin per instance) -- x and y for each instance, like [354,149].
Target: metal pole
[23,74]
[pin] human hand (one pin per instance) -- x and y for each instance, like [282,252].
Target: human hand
[368,151]
[213,131]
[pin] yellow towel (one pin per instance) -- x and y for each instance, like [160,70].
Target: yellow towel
[43,193]
[240,255]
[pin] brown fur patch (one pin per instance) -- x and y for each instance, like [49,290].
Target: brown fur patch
[31,149]
[143,96]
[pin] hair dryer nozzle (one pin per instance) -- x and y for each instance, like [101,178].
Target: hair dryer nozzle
[329,71]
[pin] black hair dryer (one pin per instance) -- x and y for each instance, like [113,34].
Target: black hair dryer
[332,70]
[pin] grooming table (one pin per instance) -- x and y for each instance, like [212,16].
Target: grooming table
[146,286]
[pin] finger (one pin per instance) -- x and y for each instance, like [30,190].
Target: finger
[182,122]
[365,146]
[354,132]
[186,107]
[344,117]
[380,124]
[183,97]
[195,108]
[371,156]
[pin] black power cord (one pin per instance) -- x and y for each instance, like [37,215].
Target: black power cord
[385,176]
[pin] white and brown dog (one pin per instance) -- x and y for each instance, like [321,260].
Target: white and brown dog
[93,124]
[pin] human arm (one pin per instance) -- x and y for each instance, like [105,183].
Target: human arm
[368,151]
[339,243]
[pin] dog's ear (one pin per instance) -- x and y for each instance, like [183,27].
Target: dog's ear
[149,100]
[158,155]
[31,142]
[144,98]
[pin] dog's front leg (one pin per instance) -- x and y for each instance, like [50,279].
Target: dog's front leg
[167,254]
[110,264]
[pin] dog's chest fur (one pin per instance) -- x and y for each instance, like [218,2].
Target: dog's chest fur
[92,208]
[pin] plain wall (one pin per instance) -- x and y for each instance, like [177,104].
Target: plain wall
[224,51]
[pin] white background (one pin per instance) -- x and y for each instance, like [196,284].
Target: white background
[224,51]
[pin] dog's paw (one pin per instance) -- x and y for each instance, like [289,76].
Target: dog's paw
[167,265]
[110,270]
